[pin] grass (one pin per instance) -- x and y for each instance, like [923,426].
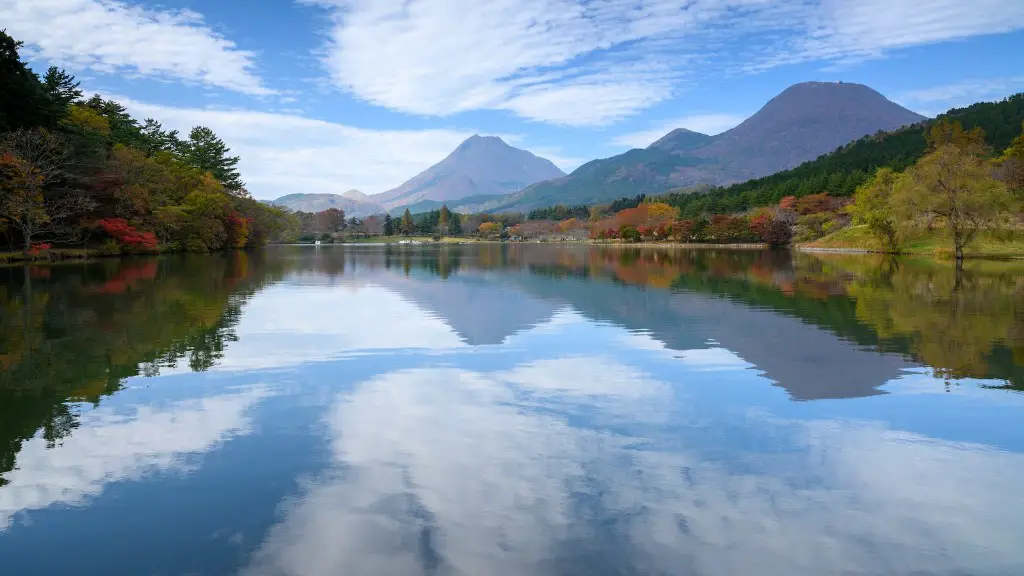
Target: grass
[49,256]
[936,244]
[397,239]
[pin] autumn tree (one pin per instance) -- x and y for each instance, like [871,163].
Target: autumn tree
[490,229]
[442,220]
[873,207]
[407,225]
[33,163]
[953,184]
[330,221]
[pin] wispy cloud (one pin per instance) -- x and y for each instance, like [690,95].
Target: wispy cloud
[115,37]
[938,99]
[592,62]
[709,124]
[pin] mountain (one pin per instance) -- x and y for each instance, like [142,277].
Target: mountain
[800,124]
[842,171]
[482,165]
[357,196]
[353,202]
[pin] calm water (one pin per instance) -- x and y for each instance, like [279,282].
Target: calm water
[506,410]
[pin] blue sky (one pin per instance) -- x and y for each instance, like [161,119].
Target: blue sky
[328,95]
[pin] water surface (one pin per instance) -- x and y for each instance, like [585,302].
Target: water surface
[511,409]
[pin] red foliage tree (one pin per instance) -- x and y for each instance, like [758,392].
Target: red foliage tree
[126,235]
[238,229]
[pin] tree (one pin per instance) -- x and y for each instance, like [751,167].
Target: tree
[407,224]
[455,225]
[389,225]
[872,206]
[953,184]
[24,102]
[61,87]
[490,229]
[330,221]
[32,163]
[205,151]
[442,220]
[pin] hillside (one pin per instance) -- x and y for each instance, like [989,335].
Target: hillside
[840,172]
[482,165]
[800,124]
[351,202]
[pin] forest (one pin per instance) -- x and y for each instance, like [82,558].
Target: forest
[82,174]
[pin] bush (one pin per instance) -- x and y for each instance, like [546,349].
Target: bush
[110,247]
[629,234]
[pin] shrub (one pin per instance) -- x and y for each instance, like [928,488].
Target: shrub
[630,233]
[131,240]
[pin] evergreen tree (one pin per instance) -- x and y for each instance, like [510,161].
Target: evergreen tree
[455,225]
[24,102]
[389,225]
[205,151]
[61,87]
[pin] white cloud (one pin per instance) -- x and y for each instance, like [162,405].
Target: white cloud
[284,154]
[709,124]
[591,62]
[110,446]
[327,322]
[454,460]
[938,99]
[118,38]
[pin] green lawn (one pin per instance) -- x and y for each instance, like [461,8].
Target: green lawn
[937,244]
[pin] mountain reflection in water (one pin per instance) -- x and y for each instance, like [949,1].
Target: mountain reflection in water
[511,409]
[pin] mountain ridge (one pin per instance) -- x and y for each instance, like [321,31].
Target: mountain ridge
[801,123]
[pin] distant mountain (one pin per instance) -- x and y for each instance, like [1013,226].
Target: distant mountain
[482,165]
[357,196]
[353,202]
[800,124]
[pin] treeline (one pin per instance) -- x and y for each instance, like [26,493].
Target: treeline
[77,172]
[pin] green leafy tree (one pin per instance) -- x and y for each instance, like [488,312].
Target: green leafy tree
[205,151]
[874,208]
[389,225]
[953,184]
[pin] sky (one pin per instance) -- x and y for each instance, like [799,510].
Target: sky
[322,96]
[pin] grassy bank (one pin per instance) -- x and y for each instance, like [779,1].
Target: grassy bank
[55,255]
[936,244]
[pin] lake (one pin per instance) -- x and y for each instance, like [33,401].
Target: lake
[512,409]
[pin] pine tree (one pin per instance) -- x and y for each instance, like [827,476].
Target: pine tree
[389,225]
[205,151]
[455,225]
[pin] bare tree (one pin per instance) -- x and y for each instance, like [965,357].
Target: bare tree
[35,197]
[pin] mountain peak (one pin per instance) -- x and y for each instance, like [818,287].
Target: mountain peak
[356,195]
[481,165]
[681,139]
[478,140]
